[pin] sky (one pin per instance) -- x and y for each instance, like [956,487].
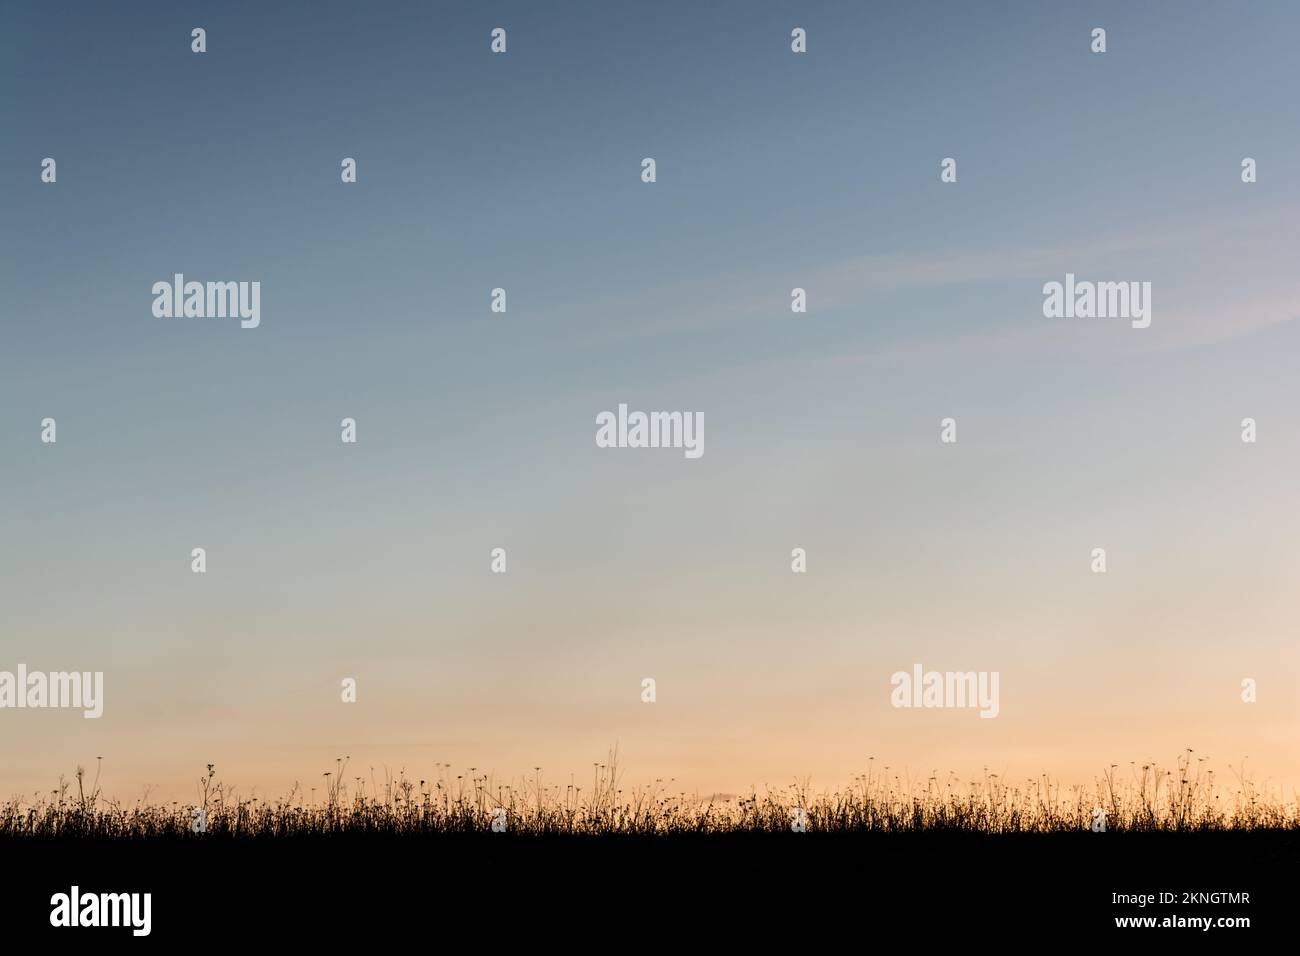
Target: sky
[522,170]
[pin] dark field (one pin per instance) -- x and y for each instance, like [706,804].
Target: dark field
[512,888]
[942,860]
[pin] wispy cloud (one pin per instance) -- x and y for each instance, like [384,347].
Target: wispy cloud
[1211,283]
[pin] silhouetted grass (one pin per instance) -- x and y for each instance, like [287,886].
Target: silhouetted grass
[1148,799]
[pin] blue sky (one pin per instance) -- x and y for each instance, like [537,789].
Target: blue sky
[522,171]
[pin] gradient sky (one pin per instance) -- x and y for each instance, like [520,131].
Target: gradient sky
[477,430]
